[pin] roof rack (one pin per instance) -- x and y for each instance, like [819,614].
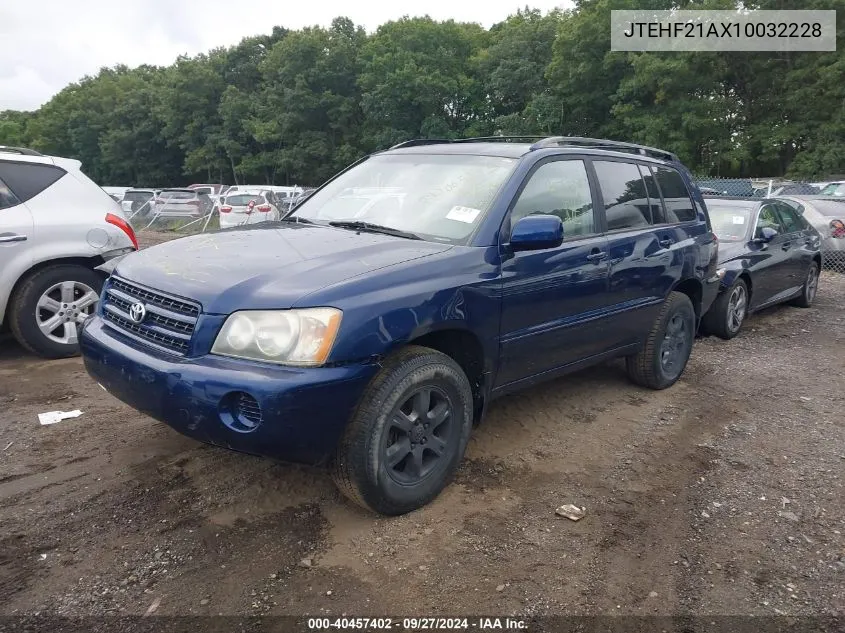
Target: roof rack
[475,139]
[421,141]
[20,150]
[598,143]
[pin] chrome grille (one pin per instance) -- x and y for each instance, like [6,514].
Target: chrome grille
[169,323]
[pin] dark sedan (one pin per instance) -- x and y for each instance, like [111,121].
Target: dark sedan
[768,254]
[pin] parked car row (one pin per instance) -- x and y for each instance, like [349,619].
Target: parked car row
[198,200]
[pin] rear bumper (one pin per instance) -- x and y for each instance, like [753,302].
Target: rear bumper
[303,410]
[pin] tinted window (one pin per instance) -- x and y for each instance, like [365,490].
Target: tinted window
[626,203]
[559,188]
[657,215]
[7,198]
[791,222]
[798,207]
[27,180]
[676,196]
[135,196]
[768,219]
[178,195]
[241,200]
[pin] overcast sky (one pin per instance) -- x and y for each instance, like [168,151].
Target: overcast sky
[47,44]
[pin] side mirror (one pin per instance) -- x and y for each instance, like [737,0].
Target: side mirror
[765,235]
[537,232]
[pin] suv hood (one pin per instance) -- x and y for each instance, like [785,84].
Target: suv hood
[265,266]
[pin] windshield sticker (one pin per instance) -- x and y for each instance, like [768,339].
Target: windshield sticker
[463,214]
[738,219]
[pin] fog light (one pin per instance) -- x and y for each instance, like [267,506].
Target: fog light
[240,412]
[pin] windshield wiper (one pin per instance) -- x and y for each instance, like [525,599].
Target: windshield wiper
[373,228]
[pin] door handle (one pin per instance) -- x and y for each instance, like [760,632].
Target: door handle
[596,256]
[786,246]
[665,242]
[5,239]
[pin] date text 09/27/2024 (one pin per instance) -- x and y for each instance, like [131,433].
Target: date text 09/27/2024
[416,624]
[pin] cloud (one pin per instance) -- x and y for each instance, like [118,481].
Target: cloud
[47,44]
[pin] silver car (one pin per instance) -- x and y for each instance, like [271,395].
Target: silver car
[827,215]
[56,227]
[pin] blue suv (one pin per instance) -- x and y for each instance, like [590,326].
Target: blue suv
[371,327]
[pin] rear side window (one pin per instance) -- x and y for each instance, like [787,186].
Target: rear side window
[676,197]
[7,198]
[27,180]
[791,222]
[657,215]
[626,203]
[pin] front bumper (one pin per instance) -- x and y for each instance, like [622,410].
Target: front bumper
[303,410]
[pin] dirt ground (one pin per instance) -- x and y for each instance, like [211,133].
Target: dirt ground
[721,495]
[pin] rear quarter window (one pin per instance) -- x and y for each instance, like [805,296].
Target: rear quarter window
[676,196]
[7,198]
[27,180]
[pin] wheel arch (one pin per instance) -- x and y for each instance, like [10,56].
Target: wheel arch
[88,262]
[693,289]
[465,348]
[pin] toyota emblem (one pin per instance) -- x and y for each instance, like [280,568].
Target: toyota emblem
[137,312]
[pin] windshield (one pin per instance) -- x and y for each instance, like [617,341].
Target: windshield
[438,197]
[834,189]
[241,200]
[730,223]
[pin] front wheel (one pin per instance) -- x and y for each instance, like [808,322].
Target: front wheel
[50,305]
[729,310]
[408,435]
[810,288]
[664,354]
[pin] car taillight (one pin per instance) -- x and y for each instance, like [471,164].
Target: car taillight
[837,229]
[124,226]
[263,208]
[225,209]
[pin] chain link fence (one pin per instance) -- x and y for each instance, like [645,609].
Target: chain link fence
[824,211]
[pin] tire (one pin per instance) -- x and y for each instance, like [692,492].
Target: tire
[674,327]
[726,316]
[810,288]
[369,467]
[29,307]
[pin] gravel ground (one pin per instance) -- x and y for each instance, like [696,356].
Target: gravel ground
[720,496]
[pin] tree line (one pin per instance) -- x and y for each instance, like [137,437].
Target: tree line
[296,106]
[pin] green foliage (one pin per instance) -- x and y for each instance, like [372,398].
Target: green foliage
[299,106]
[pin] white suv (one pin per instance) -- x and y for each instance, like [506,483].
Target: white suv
[56,227]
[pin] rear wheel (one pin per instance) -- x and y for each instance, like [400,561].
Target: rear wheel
[728,313]
[664,354]
[50,305]
[810,288]
[408,435]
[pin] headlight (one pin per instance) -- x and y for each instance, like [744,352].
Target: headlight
[721,273]
[287,337]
